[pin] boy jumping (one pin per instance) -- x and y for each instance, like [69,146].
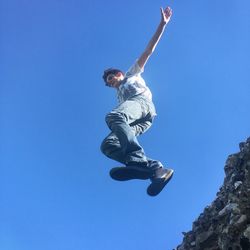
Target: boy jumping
[133,116]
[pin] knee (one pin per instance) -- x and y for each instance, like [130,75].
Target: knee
[107,146]
[104,147]
[110,146]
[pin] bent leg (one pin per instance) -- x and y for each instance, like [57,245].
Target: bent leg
[119,121]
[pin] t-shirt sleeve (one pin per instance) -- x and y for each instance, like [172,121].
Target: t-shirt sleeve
[134,70]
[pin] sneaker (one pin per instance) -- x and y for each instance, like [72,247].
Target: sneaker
[159,180]
[130,172]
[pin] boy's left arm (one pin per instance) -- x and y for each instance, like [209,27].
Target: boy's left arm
[165,18]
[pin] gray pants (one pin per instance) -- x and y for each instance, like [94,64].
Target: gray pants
[129,120]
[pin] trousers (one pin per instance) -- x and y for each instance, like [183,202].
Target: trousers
[126,122]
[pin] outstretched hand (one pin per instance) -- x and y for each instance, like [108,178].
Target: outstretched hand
[166,15]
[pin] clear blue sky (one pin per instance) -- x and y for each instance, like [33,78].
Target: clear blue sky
[55,191]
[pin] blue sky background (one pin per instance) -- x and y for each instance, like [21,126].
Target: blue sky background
[55,190]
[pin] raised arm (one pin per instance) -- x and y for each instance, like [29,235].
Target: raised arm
[165,17]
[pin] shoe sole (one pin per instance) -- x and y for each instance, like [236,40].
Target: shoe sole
[157,185]
[129,173]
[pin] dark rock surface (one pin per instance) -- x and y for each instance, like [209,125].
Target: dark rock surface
[225,224]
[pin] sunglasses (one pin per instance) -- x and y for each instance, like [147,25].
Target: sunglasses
[110,77]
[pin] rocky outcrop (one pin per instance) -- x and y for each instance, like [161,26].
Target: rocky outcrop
[225,224]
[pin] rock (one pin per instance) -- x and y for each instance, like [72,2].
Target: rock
[241,221]
[231,207]
[237,184]
[247,232]
[193,244]
[225,224]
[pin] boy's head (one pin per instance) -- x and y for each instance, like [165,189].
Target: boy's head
[112,77]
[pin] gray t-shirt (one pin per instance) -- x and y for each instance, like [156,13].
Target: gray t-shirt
[133,85]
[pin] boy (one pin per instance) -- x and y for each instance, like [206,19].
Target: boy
[133,116]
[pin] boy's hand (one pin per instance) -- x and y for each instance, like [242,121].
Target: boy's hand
[166,15]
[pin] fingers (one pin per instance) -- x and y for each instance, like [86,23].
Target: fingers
[166,14]
[162,11]
[168,11]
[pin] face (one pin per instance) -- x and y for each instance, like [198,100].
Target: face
[114,80]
